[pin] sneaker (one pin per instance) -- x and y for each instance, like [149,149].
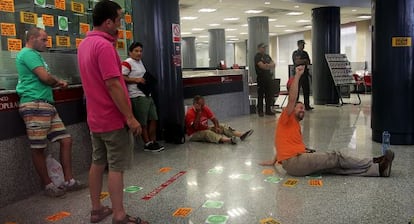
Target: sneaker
[53,191]
[246,134]
[385,164]
[153,147]
[233,140]
[77,185]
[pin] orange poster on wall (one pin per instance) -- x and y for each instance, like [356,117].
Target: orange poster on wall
[8,29]
[14,44]
[48,20]
[128,18]
[49,43]
[62,41]
[7,5]
[28,17]
[120,45]
[120,34]
[60,4]
[83,28]
[128,34]
[78,41]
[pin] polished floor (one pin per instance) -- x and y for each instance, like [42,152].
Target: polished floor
[223,183]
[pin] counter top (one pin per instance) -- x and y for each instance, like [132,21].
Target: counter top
[14,91]
[207,73]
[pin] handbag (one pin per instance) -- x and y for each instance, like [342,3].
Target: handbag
[150,83]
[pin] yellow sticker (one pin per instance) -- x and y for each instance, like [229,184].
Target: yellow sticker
[62,41]
[269,221]
[57,216]
[103,195]
[401,41]
[315,182]
[49,41]
[78,41]
[78,7]
[291,182]
[28,17]
[182,212]
[268,171]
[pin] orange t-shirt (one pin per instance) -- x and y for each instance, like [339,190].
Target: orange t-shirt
[288,137]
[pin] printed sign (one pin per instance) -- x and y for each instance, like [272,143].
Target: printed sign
[41,3]
[182,212]
[78,41]
[63,23]
[8,29]
[268,171]
[291,182]
[7,5]
[401,41]
[60,4]
[83,28]
[48,20]
[49,42]
[128,18]
[57,216]
[269,221]
[120,34]
[176,33]
[128,34]
[315,182]
[120,45]
[62,41]
[217,219]
[213,204]
[78,7]
[28,17]
[14,44]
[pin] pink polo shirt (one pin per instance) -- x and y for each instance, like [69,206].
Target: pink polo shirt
[99,61]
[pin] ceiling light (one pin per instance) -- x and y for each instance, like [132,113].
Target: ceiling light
[252,11]
[230,29]
[243,33]
[207,10]
[294,13]
[296,6]
[303,21]
[231,19]
[280,26]
[267,3]
[290,30]
[197,29]
[203,36]
[272,20]
[245,24]
[354,10]
[234,39]
[189,18]
[308,26]
[230,36]
[364,17]
[214,24]
[272,34]
[186,33]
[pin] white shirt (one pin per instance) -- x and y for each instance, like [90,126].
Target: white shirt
[137,71]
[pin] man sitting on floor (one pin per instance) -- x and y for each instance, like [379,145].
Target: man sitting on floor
[196,122]
[298,161]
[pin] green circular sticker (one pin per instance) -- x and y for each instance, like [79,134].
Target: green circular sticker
[40,2]
[217,219]
[63,23]
[132,189]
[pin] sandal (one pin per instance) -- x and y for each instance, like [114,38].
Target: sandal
[100,214]
[128,219]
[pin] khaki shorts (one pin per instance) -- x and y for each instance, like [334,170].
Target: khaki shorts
[114,148]
[144,109]
[42,123]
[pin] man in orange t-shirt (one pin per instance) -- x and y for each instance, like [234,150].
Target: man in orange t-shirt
[299,161]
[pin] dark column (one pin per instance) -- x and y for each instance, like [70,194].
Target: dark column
[326,39]
[392,71]
[258,33]
[216,47]
[189,52]
[154,22]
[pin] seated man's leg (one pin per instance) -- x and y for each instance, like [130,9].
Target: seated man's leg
[230,132]
[206,136]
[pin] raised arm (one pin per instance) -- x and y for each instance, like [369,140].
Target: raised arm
[294,89]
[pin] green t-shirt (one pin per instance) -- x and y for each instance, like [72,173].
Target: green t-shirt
[29,86]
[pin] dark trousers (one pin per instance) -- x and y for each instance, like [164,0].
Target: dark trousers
[264,90]
[304,84]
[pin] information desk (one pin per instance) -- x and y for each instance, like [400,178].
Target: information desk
[226,91]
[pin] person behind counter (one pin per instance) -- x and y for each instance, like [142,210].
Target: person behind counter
[196,122]
[42,121]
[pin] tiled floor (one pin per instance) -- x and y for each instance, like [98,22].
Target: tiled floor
[239,183]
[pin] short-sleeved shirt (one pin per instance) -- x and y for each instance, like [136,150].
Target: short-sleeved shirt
[133,69]
[266,59]
[288,137]
[206,114]
[99,61]
[29,86]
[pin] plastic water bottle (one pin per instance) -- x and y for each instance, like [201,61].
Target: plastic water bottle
[386,136]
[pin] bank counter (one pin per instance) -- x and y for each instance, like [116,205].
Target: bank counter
[226,92]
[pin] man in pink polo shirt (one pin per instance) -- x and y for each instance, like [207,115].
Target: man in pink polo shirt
[109,112]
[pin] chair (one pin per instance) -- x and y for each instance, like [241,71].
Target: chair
[358,82]
[367,82]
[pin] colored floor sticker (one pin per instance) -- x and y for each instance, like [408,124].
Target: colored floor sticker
[163,185]
[132,189]
[213,204]
[315,182]
[216,171]
[315,176]
[165,170]
[57,216]
[103,195]
[268,171]
[291,182]
[182,212]
[217,219]
[241,176]
[269,221]
[273,179]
